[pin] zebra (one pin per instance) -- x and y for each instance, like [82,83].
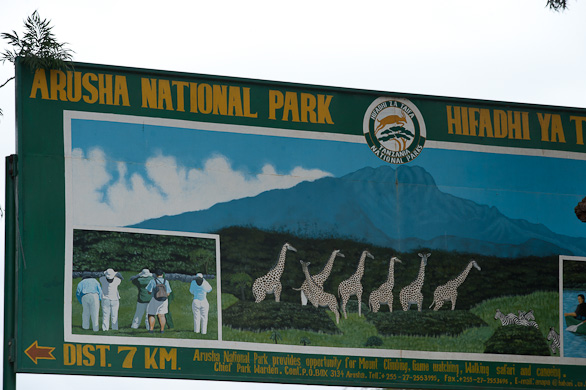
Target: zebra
[533,324]
[527,319]
[555,340]
[529,316]
[507,320]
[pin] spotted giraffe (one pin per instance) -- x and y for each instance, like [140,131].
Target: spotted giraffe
[317,296]
[449,291]
[384,294]
[353,285]
[271,282]
[411,294]
[320,278]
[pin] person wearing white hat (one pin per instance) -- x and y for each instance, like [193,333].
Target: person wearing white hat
[200,305]
[110,298]
[141,280]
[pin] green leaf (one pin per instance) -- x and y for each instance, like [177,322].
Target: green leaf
[38,47]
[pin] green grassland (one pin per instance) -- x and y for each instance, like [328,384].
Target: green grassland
[523,340]
[545,306]
[355,331]
[179,307]
[425,327]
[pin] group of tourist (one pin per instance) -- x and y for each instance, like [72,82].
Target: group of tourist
[153,298]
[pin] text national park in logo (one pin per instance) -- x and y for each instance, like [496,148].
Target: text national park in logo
[394,130]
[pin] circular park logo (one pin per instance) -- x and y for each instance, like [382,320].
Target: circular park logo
[394,130]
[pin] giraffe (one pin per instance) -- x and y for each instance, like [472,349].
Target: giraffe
[449,291]
[384,294]
[271,282]
[353,286]
[411,294]
[320,278]
[317,295]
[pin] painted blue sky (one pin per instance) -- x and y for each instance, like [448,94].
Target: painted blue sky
[538,189]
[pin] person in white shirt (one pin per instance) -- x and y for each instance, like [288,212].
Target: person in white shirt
[89,293]
[110,298]
[200,306]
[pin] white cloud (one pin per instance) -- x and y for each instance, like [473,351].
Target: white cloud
[167,189]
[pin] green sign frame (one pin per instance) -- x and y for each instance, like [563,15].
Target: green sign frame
[258,185]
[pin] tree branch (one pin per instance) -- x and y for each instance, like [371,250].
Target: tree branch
[6,82]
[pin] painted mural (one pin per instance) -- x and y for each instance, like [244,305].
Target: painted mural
[325,244]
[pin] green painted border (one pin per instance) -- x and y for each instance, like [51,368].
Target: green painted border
[41,195]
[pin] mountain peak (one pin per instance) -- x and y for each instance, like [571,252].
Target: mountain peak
[398,207]
[404,174]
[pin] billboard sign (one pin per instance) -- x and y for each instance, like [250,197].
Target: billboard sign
[188,226]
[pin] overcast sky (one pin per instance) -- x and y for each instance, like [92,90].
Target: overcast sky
[502,50]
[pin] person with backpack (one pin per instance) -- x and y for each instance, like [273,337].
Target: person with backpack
[159,289]
[200,306]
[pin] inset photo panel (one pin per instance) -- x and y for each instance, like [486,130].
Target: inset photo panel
[145,284]
[573,291]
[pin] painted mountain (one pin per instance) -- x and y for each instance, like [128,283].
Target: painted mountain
[399,208]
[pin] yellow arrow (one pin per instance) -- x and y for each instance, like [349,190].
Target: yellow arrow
[35,352]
